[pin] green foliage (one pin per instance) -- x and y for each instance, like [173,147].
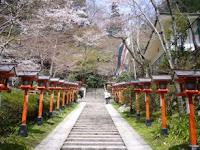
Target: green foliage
[190,6]
[73,77]
[125,76]
[164,66]
[109,89]
[35,133]
[181,27]
[178,134]
[75,96]
[178,125]
[11,109]
[94,80]
[115,25]
[88,63]
[128,94]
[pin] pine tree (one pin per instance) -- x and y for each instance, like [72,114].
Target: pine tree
[115,24]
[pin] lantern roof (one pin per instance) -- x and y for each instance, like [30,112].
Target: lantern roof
[144,80]
[134,82]
[66,82]
[54,79]
[8,68]
[23,73]
[186,73]
[162,78]
[62,81]
[41,77]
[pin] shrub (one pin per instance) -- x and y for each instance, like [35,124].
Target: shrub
[12,105]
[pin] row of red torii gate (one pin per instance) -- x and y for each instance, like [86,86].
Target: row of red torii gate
[187,79]
[45,82]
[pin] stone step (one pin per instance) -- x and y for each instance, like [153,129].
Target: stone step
[64,147]
[94,133]
[94,125]
[96,139]
[94,143]
[94,136]
[94,130]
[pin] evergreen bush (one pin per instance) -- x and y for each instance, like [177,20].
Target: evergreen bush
[12,105]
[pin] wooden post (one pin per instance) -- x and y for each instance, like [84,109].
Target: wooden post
[67,99]
[191,122]
[58,101]
[148,121]
[51,104]
[70,97]
[120,97]
[138,107]
[23,126]
[0,98]
[131,103]
[164,127]
[39,119]
[63,100]
[24,113]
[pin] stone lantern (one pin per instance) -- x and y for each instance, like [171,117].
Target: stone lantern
[137,90]
[187,80]
[27,78]
[6,71]
[146,88]
[52,86]
[42,85]
[161,82]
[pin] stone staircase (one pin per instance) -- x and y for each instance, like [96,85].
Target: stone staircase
[94,130]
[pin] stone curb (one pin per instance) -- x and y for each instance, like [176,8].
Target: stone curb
[56,138]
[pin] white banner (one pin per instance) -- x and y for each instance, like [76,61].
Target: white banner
[187,106]
[160,101]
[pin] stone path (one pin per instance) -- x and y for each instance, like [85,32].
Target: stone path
[56,138]
[94,129]
[94,126]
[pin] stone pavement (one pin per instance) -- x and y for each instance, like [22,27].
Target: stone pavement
[56,138]
[93,125]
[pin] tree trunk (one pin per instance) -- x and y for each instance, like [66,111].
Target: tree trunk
[174,32]
[180,100]
[164,40]
[196,46]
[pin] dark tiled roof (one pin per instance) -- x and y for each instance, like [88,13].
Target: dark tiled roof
[44,77]
[134,81]
[144,80]
[7,68]
[161,77]
[187,73]
[62,81]
[27,73]
[54,79]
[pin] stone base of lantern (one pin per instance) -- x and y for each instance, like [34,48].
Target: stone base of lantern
[39,121]
[138,116]
[23,130]
[63,107]
[50,115]
[193,147]
[131,111]
[57,109]
[164,132]
[148,122]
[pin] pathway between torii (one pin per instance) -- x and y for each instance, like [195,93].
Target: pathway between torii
[93,125]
